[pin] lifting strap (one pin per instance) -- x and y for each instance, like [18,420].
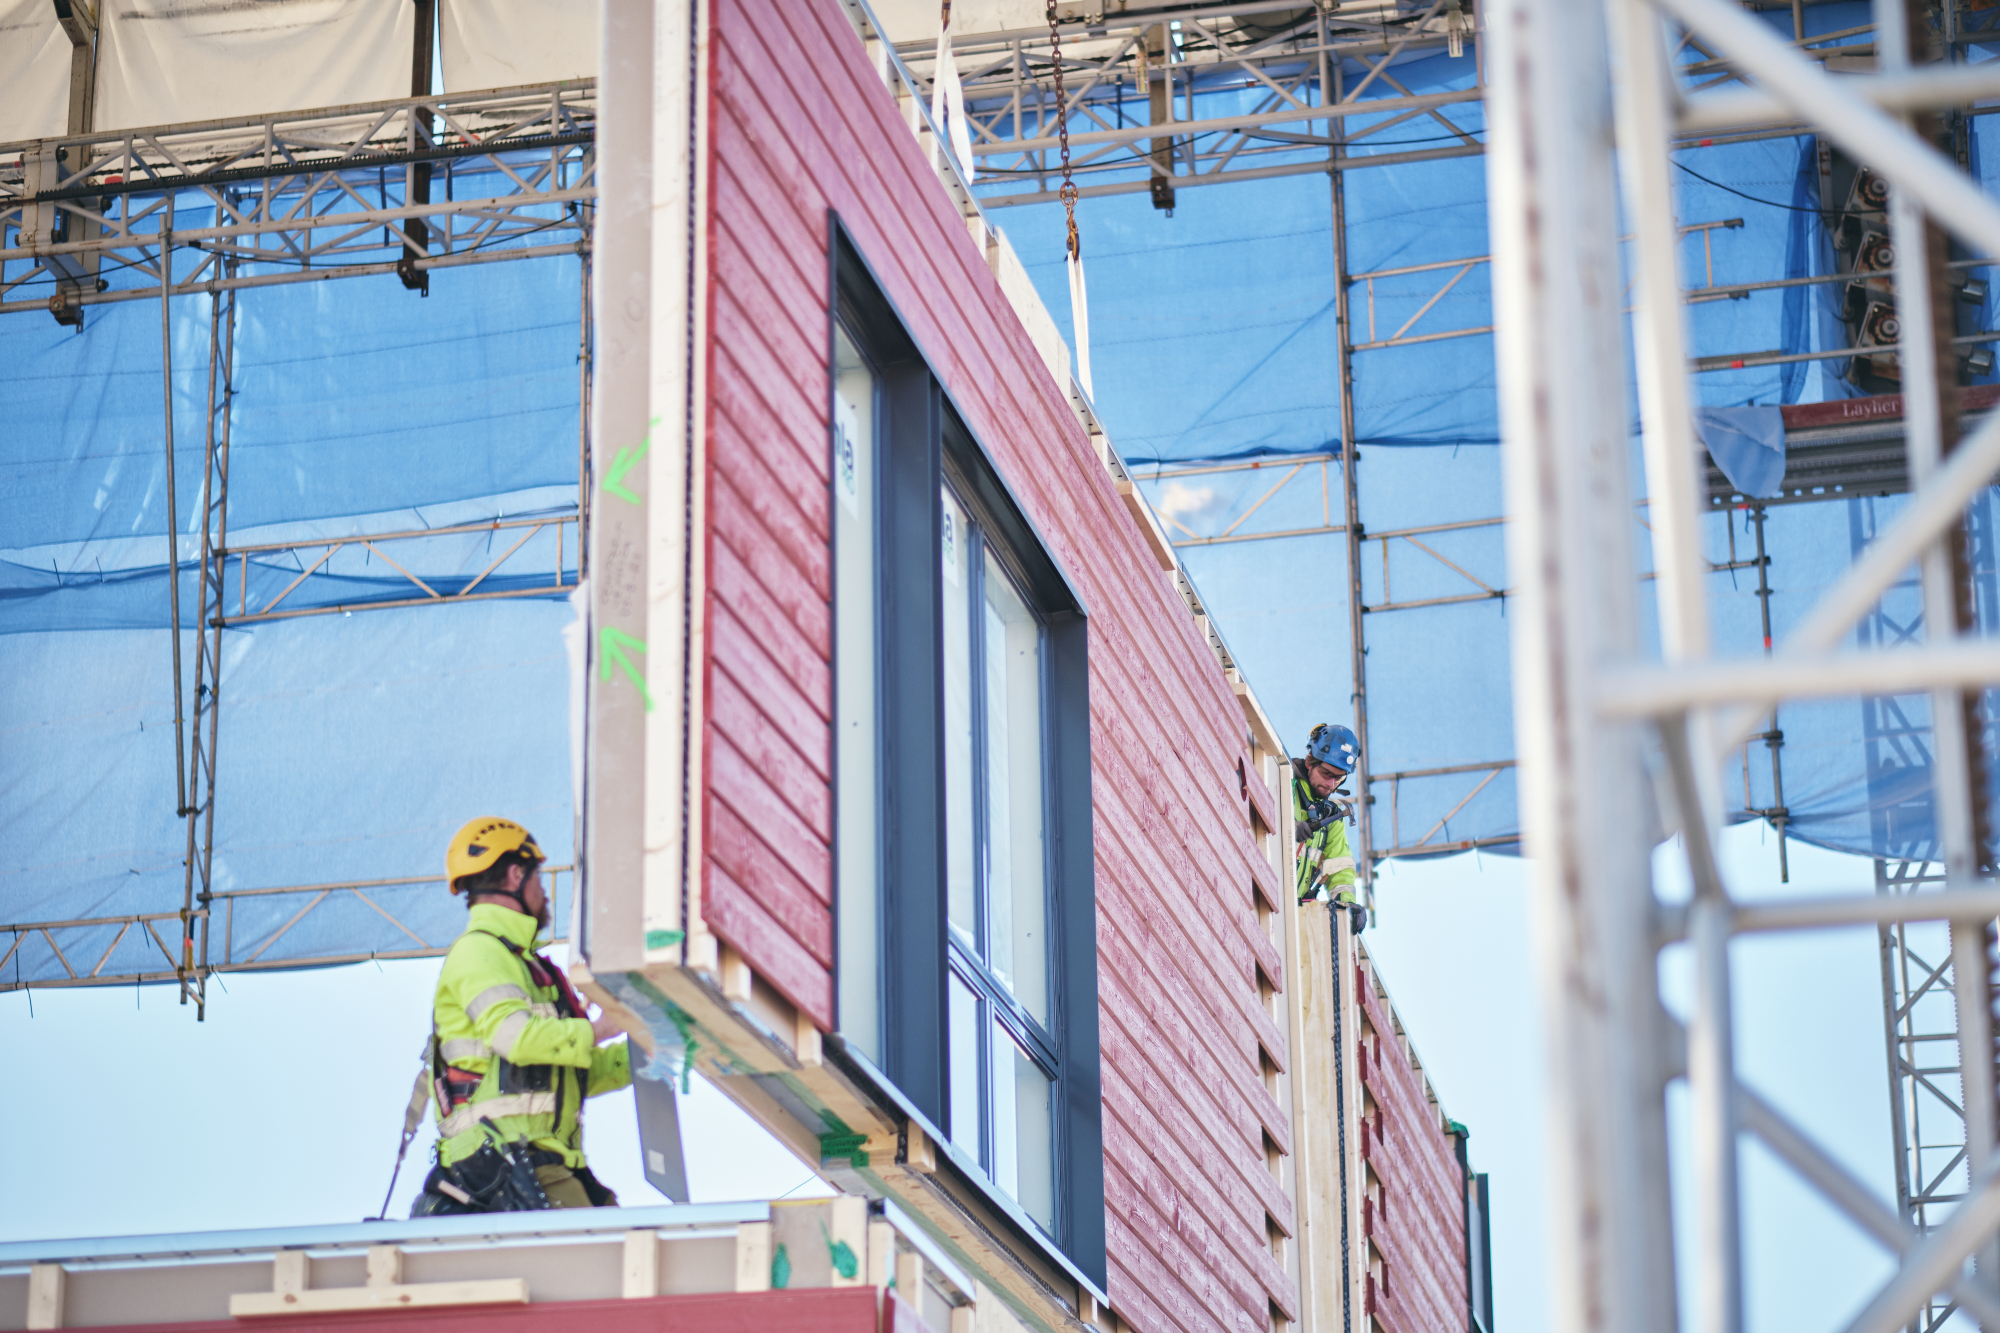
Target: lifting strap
[948,101]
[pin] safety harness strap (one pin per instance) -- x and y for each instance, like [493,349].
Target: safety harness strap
[495,1108]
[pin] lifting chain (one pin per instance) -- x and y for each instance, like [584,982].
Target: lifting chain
[1068,191]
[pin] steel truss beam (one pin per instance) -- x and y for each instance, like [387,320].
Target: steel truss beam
[1109,72]
[292,198]
[297,198]
[1581,688]
[87,961]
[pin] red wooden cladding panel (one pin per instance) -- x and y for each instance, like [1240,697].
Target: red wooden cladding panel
[735,914]
[1419,1227]
[801,125]
[826,1310]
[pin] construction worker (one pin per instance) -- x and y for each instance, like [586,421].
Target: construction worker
[1319,818]
[513,1050]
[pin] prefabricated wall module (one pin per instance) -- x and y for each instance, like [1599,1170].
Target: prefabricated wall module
[924,809]
[939,827]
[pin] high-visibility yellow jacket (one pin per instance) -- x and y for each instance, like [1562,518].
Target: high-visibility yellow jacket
[494,1019]
[1323,854]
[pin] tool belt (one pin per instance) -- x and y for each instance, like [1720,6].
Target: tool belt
[498,1178]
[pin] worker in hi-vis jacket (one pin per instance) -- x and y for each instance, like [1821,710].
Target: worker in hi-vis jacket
[1319,815]
[513,1052]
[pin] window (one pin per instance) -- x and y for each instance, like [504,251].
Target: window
[966,915]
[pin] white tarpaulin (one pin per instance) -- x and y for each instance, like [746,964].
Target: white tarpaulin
[162,62]
[34,71]
[500,43]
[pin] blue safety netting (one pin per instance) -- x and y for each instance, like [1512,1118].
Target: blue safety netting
[1855,772]
[350,742]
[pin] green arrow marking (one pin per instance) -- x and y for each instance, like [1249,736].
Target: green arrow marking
[624,461]
[611,646]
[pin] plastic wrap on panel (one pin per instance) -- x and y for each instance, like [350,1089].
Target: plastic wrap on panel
[34,71]
[349,749]
[353,397]
[502,43]
[168,62]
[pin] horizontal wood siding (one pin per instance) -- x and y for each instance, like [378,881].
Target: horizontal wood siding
[802,124]
[1417,1228]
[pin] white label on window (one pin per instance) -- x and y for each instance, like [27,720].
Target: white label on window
[846,433]
[950,535]
[656,1161]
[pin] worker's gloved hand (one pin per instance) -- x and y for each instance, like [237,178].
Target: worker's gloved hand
[603,1027]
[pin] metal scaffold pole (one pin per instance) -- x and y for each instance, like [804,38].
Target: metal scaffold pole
[1350,492]
[1557,298]
[199,884]
[1584,691]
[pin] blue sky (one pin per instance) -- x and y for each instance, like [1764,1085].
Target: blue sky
[285,1106]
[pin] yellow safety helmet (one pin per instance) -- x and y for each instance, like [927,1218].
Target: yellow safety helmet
[484,841]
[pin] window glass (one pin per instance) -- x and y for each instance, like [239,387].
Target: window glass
[1016,865]
[961,820]
[967,1104]
[961,890]
[1023,1142]
[854,600]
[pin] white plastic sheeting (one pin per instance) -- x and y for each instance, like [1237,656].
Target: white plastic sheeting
[34,71]
[164,62]
[500,43]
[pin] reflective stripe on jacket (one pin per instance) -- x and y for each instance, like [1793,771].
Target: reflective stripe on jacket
[1323,853]
[534,1066]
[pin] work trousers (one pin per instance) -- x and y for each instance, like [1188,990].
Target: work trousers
[566,1189]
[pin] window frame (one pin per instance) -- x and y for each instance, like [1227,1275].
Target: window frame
[921,446]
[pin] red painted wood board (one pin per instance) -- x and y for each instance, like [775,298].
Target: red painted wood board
[822,1310]
[802,125]
[1419,1227]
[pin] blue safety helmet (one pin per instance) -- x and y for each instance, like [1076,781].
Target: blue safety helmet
[1334,746]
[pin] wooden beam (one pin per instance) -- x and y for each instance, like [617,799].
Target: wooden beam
[410,1296]
[48,1289]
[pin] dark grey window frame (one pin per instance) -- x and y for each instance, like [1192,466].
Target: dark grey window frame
[922,444]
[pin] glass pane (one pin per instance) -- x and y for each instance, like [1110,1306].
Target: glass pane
[962,1040]
[1023,1146]
[954,544]
[1016,865]
[854,599]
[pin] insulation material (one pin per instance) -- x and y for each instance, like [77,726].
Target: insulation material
[34,71]
[501,43]
[164,62]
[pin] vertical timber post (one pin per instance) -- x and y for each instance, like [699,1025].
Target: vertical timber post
[1557,296]
[648,466]
[677,522]
[612,854]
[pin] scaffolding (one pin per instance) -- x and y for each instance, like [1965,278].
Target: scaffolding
[1307,99]
[348,192]
[1589,706]
[210,209]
